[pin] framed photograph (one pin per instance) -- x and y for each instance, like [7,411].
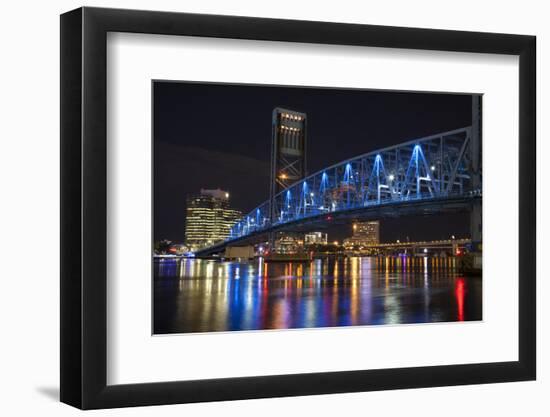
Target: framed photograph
[257,208]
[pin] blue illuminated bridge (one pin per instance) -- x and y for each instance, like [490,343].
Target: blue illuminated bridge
[435,174]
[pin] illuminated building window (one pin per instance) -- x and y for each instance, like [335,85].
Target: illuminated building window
[209,218]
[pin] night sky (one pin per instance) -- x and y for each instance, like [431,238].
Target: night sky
[219,136]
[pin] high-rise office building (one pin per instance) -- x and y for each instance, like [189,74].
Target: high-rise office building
[209,218]
[364,234]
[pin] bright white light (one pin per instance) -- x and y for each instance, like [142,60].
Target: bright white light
[226,195]
[425,250]
[391,177]
[432,168]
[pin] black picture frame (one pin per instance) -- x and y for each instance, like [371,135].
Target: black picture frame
[84,207]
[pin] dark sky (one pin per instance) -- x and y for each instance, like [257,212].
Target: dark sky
[219,136]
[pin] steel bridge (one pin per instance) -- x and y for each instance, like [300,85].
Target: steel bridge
[430,174]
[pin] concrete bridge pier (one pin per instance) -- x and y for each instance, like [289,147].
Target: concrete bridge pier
[475,224]
[239,252]
[475,169]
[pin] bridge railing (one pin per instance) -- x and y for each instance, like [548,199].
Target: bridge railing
[433,167]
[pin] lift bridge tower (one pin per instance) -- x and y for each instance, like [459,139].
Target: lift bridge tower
[288,153]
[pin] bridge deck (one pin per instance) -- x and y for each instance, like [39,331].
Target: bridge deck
[319,222]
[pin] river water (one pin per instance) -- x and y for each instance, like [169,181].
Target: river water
[194,295]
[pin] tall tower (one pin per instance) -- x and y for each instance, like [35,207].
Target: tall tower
[288,151]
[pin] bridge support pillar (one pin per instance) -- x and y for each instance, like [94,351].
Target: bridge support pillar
[239,252]
[475,224]
[476,209]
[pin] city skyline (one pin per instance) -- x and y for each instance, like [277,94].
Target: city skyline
[210,216]
[184,135]
[354,233]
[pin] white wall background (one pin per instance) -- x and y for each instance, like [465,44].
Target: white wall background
[29,207]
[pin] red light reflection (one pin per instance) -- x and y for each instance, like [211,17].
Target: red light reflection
[460,291]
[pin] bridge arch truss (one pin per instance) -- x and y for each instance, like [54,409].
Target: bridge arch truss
[436,167]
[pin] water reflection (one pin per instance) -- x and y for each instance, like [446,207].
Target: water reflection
[193,295]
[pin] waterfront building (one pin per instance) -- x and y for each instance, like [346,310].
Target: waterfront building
[177,249]
[315,238]
[209,218]
[289,243]
[364,234]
